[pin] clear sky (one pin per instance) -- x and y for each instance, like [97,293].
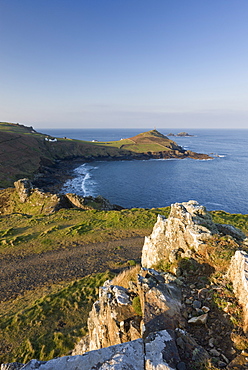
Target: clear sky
[124,63]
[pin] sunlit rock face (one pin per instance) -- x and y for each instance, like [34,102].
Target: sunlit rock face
[238,274]
[188,226]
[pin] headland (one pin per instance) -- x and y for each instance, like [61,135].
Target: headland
[28,153]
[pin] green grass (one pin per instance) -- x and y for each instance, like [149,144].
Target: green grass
[238,220]
[137,305]
[47,326]
[24,234]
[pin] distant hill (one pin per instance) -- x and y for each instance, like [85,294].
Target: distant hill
[25,152]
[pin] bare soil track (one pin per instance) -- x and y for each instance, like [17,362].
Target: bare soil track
[19,274]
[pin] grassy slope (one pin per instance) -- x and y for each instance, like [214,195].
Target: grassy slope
[23,150]
[24,234]
[47,322]
[151,141]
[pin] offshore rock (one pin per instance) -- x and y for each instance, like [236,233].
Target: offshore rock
[188,226]
[238,274]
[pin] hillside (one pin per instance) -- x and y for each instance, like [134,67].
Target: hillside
[26,153]
[44,310]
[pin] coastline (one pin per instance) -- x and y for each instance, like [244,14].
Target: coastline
[51,178]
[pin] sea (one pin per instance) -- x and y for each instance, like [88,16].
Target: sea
[219,184]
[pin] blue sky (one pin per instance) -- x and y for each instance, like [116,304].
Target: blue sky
[124,63]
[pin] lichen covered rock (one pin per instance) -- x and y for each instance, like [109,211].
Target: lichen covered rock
[112,319]
[188,226]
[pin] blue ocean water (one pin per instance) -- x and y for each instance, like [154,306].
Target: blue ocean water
[218,184]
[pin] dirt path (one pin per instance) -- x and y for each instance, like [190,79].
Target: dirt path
[20,274]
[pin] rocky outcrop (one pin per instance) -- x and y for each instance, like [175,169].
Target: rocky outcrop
[32,200]
[161,351]
[124,356]
[160,298]
[188,226]
[89,202]
[113,319]
[232,231]
[157,351]
[180,134]
[23,188]
[155,336]
[238,274]
[160,344]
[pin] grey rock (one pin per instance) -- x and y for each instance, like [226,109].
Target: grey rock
[231,230]
[214,352]
[23,188]
[194,351]
[180,343]
[211,342]
[161,305]
[109,321]
[188,226]
[129,356]
[161,351]
[181,366]
[196,304]
[198,320]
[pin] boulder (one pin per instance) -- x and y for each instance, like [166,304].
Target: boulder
[161,351]
[23,188]
[124,356]
[188,226]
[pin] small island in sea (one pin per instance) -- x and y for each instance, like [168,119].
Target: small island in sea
[28,153]
[180,134]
